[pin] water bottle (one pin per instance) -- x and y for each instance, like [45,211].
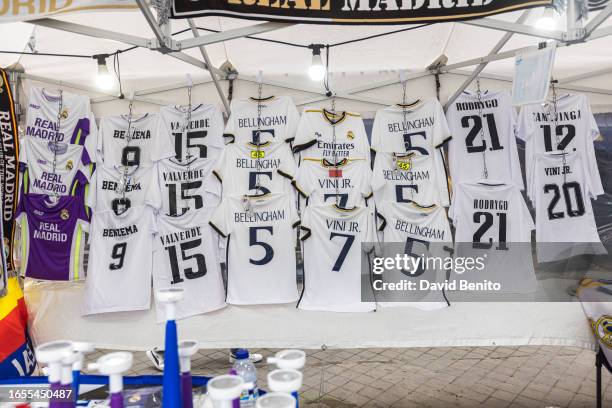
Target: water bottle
[246,369]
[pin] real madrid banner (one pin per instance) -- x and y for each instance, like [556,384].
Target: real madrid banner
[11,10]
[351,11]
[8,164]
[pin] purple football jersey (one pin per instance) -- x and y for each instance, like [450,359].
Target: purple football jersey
[52,236]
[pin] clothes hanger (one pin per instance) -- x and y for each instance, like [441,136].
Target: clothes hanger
[121,205]
[405,105]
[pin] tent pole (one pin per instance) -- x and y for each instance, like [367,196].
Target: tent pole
[602,16]
[516,28]
[502,42]
[146,11]
[196,34]
[222,36]
[576,88]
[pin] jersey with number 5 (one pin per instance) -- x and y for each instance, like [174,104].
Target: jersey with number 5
[483,138]
[572,129]
[561,192]
[261,247]
[402,178]
[492,221]
[148,140]
[333,258]
[278,120]
[120,261]
[415,231]
[245,168]
[186,256]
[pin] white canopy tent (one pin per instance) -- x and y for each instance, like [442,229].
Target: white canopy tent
[362,73]
[364,76]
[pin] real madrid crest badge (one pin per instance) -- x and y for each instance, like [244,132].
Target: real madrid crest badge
[69,165]
[350,135]
[64,214]
[65,113]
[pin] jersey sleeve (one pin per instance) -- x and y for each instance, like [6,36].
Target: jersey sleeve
[524,125]
[453,209]
[229,134]
[381,216]
[366,185]
[441,133]
[91,142]
[302,181]
[162,147]
[528,223]
[377,180]
[91,192]
[23,149]
[219,167]
[287,166]
[375,136]
[304,134]
[153,194]
[370,239]
[305,224]
[293,120]
[515,164]
[219,220]
[100,142]
[443,183]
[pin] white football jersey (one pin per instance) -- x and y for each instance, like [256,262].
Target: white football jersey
[561,192]
[120,261]
[187,186]
[241,171]
[186,257]
[277,122]
[347,183]
[201,138]
[261,248]
[423,130]
[419,232]
[333,255]
[574,131]
[483,138]
[315,136]
[148,141]
[408,177]
[112,190]
[77,122]
[492,221]
[69,176]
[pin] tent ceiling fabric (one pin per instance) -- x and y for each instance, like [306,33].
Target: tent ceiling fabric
[412,50]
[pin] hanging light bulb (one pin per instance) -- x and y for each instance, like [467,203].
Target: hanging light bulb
[547,20]
[317,69]
[104,79]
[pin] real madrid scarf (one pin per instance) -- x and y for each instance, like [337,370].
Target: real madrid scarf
[8,170]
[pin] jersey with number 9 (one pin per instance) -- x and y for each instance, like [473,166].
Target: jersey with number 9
[120,261]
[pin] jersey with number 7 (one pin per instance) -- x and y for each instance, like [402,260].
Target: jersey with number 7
[333,256]
[260,249]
